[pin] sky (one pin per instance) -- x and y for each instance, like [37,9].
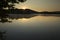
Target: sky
[40,5]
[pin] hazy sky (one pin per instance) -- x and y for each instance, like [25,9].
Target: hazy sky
[41,5]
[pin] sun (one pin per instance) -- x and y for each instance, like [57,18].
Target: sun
[24,7]
[24,19]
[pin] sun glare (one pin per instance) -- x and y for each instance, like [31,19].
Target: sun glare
[24,19]
[24,7]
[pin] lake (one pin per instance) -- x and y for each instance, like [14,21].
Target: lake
[30,26]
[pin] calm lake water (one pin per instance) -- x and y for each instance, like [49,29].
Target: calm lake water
[30,26]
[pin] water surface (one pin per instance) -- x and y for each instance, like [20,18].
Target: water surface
[31,26]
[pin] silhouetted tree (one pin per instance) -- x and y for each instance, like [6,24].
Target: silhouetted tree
[9,3]
[3,18]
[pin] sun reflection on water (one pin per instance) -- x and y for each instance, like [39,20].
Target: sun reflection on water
[24,20]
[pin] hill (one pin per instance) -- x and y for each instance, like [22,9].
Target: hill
[27,11]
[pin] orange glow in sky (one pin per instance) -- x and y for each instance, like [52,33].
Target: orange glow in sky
[40,5]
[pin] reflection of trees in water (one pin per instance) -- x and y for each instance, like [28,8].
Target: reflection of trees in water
[20,16]
[2,35]
[4,18]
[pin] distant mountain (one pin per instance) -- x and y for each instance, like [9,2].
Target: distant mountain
[27,11]
[22,11]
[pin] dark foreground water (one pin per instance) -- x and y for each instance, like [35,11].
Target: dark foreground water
[30,27]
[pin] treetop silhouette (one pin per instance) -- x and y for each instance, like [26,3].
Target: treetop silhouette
[9,3]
